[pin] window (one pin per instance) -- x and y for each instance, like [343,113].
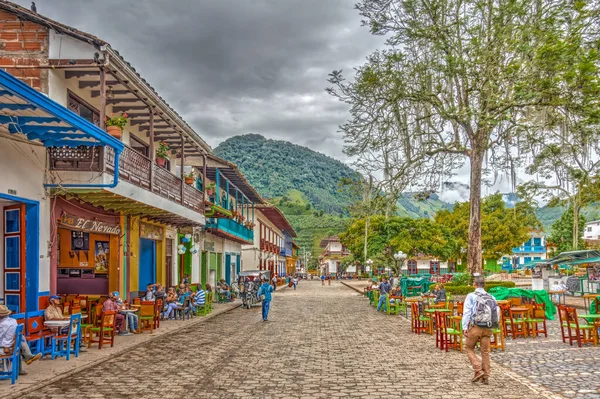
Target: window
[412,267]
[139,146]
[83,109]
[589,229]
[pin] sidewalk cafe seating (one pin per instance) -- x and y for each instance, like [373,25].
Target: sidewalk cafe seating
[537,316]
[209,301]
[64,344]
[582,333]
[446,337]
[11,361]
[420,322]
[459,308]
[498,335]
[392,307]
[147,316]
[37,334]
[158,308]
[518,324]
[105,331]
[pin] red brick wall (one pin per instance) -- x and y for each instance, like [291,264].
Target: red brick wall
[24,43]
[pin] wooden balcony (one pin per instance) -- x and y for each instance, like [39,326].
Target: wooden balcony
[134,168]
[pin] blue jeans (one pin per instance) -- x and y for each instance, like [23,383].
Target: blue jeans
[170,312]
[294,286]
[265,309]
[132,321]
[382,301]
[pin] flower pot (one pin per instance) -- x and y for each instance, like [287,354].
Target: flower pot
[114,131]
[189,180]
[161,162]
[209,192]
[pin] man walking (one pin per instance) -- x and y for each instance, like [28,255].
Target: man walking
[384,289]
[480,315]
[264,293]
[274,282]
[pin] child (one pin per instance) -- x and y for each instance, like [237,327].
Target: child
[264,292]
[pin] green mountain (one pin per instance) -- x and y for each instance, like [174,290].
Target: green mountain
[276,167]
[409,205]
[548,215]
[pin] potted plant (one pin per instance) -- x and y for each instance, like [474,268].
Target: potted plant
[162,153]
[189,178]
[115,125]
[210,187]
[234,213]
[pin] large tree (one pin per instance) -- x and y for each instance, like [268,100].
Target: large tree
[445,91]
[562,232]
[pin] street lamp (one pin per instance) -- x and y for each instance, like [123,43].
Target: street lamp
[369,263]
[400,257]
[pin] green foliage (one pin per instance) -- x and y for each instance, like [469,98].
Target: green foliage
[465,289]
[462,279]
[276,167]
[562,232]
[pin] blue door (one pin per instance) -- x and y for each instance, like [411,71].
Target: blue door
[228,268]
[147,269]
[238,264]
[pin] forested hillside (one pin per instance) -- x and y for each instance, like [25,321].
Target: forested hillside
[276,167]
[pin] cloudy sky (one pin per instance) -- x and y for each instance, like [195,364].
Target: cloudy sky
[231,67]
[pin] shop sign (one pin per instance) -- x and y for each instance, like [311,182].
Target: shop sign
[95,226]
[209,246]
[151,231]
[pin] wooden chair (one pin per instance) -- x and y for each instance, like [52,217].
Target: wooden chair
[562,317]
[392,308]
[147,316]
[459,308]
[158,308]
[498,336]
[582,333]
[537,317]
[518,324]
[66,308]
[505,316]
[515,301]
[11,361]
[75,310]
[419,323]
[61,344]
[106,330]
[209,301]
[38,334]
[449,337]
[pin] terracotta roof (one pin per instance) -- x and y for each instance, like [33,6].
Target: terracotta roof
[26,14]
[277,217]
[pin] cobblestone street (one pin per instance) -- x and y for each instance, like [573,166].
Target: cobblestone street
[323,341]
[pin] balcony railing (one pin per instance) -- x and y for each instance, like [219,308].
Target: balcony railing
[530,249]
[232,227]
[285,252]
[133,168]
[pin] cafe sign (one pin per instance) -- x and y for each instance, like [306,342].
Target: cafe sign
[151,231]
[94,226]
[209,246]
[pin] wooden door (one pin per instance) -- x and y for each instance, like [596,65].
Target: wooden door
[13,258]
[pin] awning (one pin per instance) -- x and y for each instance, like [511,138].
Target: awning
[531,264]
[581,262]
[24,110]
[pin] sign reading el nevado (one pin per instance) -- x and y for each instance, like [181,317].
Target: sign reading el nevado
[95,226]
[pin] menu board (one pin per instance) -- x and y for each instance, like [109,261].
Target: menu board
[573,284]
[101,256]
[594,273]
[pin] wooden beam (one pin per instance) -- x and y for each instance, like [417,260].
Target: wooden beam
[102,98]
[80,74]
[93,83]
[124,108]
[142,128]
[151,149]
[134,121]
[123,100]
[181,169]
[68,62]
[96,93]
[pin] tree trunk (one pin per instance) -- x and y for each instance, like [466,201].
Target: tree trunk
[474,256]
[575,223]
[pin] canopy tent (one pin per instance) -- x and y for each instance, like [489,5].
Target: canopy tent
[540,296]
[582,262]
[567,258]
[24,110]
[531,264]
[407,282]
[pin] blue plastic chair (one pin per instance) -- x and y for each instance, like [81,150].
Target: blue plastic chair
[11,361]
[61,344]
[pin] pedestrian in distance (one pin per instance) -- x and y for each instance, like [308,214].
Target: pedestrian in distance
[480,316]
[384,289]
[264,293]
[322,279]
[295,281]
[328,279]
[274,280]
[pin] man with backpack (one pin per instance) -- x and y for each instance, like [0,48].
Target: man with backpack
[480,316]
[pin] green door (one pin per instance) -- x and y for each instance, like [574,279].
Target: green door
[204,268]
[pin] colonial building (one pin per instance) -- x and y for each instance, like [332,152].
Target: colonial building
[332,255]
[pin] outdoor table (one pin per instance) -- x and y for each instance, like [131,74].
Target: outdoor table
[433,310]
[125,312]
[561,294]
[58,324]
[518,309]
[502,302]
[410,301]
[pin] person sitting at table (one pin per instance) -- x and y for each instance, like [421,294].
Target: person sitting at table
[111,305]
[150,292]
[160,292]
[224,289]
[558,286]
[8,329]
[54,312]
[171,304]
[440,294]
[200,298]
[132,319]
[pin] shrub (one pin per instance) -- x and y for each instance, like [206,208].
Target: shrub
[464,278]
[465,289]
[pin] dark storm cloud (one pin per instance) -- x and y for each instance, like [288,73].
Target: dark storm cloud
[235,66]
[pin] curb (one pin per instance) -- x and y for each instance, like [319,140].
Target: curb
[351,287]
[113,355]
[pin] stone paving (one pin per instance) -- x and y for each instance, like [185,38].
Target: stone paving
[322,341]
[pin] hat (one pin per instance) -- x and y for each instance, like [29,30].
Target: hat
[54,297]
[4,311]
[115,293]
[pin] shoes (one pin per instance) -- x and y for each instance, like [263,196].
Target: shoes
[33,358]
[265,319]
[135,331]
[22,372]
[485,381]
[478,376]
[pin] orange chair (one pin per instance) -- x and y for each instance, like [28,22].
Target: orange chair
[537,317]
[498,335]
[518,324]
[106,330]
[147,316]
[459,308]
[562,317]
[582,333]
[419,323]
[447,338]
